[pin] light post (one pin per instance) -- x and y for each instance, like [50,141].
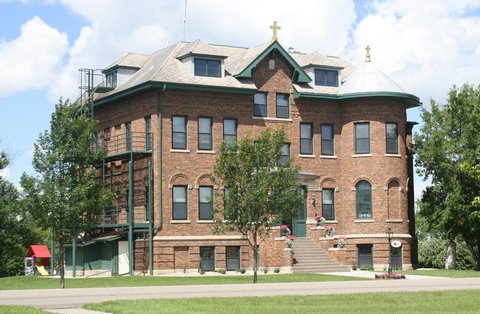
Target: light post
[389,234]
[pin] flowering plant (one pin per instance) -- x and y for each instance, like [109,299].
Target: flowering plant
[389,276]
[342,242]
[320,220]
[329,231]
[289,241]
[284,231]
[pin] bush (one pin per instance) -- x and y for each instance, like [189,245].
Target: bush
[276,270]
[432,254]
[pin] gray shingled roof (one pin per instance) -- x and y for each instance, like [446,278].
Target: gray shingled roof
[131,60]
[166,66]
[200,48]
[315,59]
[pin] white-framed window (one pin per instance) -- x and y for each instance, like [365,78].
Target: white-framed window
[260,105]
[207,67]
[391,134]
[179,132]
[283,106]
[179,200]
[205,133]
[326,77]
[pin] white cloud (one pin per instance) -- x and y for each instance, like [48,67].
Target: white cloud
[30,60]
[117,27]
[307,25]
[427,46]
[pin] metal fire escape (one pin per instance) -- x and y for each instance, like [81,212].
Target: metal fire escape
[127,171]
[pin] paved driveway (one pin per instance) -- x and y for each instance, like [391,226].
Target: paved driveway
[75,298]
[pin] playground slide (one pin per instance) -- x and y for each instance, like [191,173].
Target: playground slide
[42,271]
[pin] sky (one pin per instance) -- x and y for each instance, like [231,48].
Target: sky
[427,46]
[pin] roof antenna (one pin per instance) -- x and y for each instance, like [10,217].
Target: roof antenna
[185,21]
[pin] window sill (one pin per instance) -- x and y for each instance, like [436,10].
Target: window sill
[306,156]
[180,221]
[364,220]
[206,152]
[331,221]
[273,119]
[361,155]
[179,150]
[328,156]
[393,155]
[206,221]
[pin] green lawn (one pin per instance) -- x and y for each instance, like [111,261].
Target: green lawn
[465,301]
[19,309]
[443,273]
[37,282]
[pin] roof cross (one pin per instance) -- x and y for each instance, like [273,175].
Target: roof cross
[275,28]
[367,56]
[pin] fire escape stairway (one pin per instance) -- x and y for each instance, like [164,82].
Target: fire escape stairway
[310,258]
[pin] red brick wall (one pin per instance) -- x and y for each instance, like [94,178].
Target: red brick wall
[341,172]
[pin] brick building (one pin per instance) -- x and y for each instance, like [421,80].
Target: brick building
[163,117]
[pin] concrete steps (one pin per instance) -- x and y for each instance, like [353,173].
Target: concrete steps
[310,258]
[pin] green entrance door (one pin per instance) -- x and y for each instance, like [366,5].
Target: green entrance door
[299,223]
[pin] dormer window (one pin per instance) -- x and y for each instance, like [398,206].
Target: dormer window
[111,79]
[326,77]
[208,67]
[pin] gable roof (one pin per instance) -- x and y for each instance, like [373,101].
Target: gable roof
[40,251]
[299,75]
[200,48]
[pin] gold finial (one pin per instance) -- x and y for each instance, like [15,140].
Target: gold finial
[367,56]
[275,28]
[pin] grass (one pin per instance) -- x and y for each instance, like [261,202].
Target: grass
[19,309]
[442,273]
[37,282]
[465,301]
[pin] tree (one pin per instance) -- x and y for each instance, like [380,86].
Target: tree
[258,191]
[448,152]
[17,231]
[66,195]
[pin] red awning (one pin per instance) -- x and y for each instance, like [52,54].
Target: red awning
[40,251]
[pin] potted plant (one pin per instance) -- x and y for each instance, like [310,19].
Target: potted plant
[289,241]
[320,220]
[329,230]
[342,242]
[284,231]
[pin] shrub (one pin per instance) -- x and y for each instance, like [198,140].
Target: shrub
[276,270]
[432,253]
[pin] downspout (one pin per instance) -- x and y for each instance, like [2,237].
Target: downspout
[160,157]
[130,216]
[150,221]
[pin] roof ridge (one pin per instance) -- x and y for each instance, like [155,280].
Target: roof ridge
[160,67]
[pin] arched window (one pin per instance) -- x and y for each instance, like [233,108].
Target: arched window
[363,195]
